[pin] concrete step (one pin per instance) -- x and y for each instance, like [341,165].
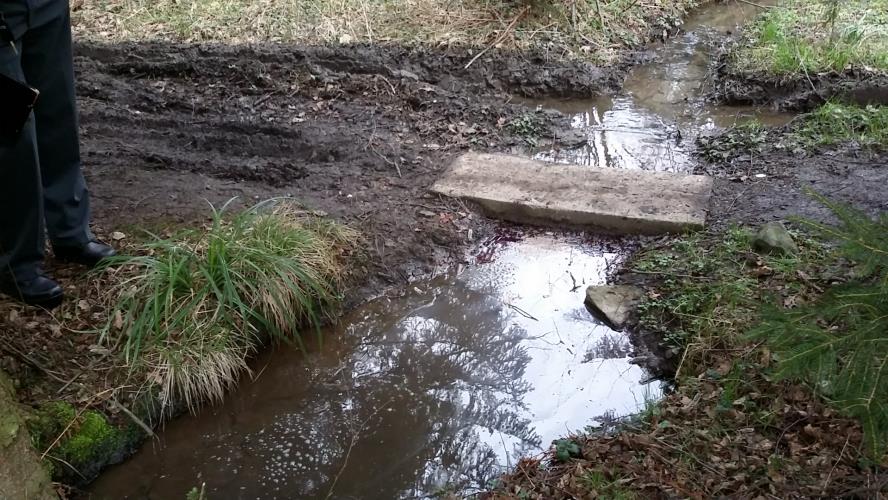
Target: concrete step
[621,201]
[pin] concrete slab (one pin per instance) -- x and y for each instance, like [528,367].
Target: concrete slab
[622,201]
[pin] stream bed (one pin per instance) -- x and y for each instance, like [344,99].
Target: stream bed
[444,387]
[447,385]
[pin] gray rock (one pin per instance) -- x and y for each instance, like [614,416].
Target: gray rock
[613,303]
[774,238]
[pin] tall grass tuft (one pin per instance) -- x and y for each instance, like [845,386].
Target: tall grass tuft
[192,309]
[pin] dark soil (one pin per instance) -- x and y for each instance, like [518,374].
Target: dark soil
[360,133]
[798,93]
[775,183]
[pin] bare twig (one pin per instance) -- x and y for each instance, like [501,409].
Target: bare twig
[600,16]
[748,2]
[31,361]
[354,441]
[502,37]
[138,421]
[520,311]
[836,464]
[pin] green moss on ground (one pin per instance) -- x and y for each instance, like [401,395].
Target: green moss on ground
[82,441]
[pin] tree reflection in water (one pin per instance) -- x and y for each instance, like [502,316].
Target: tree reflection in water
[443,387]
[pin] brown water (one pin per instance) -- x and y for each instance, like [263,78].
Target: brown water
[652,124]
[443,387]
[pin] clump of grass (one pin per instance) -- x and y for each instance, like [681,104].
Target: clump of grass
[805,36]
[605,486]
[596,28]
[192,309]
[835,123]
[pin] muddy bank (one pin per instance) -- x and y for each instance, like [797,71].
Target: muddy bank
[798,93]
[770,179]
[358,133]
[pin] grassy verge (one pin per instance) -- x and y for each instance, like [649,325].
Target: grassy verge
[597,28]
[832,124]
[835,123]
[168,327]
[191,310]
[781,386]
[815,36]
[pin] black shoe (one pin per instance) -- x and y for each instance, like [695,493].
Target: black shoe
[38,291]
[89,255]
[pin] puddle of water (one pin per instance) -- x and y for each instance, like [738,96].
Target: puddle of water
[444,387]
[653,123]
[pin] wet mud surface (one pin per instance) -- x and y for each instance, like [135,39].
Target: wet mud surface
[440,389]
[799,93]
[359,133]
[772,183]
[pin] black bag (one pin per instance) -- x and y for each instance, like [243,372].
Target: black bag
[17,100]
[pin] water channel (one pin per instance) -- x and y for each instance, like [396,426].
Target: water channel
[449,384]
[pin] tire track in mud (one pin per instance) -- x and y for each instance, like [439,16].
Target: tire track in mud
[357,132]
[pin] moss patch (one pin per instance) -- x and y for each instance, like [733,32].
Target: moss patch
[76,444]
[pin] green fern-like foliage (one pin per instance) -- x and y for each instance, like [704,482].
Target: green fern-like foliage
[840,343]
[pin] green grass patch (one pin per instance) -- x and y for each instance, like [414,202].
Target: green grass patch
[835,123]
[595,28]
[189,311]
[600,484]
[813,36]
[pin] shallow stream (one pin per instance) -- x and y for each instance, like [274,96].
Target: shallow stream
[449,384]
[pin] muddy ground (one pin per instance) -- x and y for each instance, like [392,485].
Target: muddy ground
[359,133]
[775,181]
[797,93]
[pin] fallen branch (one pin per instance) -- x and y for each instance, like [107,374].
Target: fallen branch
[502,37]
[136,420]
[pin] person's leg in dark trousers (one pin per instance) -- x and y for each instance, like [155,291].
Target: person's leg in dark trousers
[21,192]
[40,176]
[48,66]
